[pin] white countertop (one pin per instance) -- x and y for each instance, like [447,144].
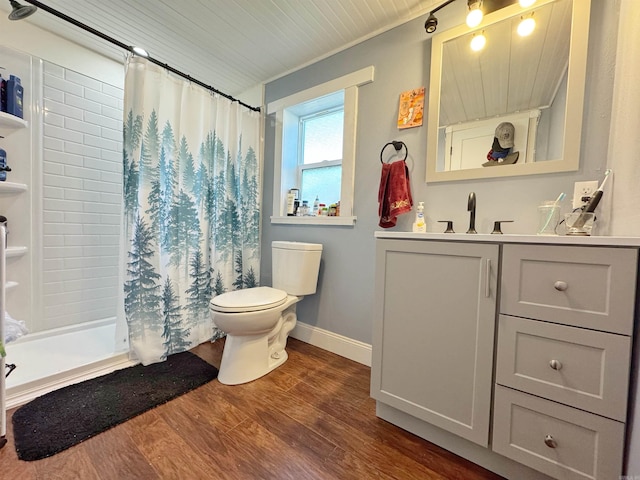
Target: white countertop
[510,238]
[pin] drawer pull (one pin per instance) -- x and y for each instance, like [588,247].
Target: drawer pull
[555,364]
[560,286]
[550,442]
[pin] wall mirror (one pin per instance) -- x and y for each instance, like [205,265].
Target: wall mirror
[535,82]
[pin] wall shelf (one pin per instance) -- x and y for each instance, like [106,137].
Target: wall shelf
[12,252]
[12,187]
[11,121]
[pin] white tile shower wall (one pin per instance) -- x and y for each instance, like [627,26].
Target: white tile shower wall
[82,185]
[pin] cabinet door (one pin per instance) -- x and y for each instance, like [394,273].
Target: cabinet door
[434,331]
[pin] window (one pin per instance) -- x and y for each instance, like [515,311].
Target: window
[315,147]
[320,155]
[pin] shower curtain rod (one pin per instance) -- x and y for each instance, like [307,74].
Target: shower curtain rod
[129,48]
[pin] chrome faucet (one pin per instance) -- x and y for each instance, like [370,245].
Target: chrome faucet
[471,207]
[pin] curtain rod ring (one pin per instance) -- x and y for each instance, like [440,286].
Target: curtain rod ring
[398,146]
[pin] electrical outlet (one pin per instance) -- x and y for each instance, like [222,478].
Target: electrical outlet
[582,192]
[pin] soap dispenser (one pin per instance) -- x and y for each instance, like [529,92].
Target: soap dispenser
[419,226]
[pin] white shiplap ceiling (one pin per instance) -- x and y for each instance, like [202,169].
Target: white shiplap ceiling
[232,45]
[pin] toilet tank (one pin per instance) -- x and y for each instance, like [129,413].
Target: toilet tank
[295,266]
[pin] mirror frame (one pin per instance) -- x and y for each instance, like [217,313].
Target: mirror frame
[570,161]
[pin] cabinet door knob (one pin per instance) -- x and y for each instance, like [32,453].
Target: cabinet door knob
[555,364]
[550,442]
[560,286]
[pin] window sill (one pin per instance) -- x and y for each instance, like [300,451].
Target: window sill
[323,220]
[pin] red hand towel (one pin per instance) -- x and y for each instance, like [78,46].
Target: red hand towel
[394,194]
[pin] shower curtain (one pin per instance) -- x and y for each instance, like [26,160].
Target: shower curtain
[191,208]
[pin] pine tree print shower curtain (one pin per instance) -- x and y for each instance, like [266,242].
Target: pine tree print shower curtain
[191,219]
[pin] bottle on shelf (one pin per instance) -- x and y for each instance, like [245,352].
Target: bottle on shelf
[3,94]
[291,198]
[316,205]
[304,209]
[14,96]
[4,168]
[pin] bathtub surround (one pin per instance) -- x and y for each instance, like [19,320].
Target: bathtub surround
[81,198]
[191,223]
[65,225]
[61,419]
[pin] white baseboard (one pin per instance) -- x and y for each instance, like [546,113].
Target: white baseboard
[345,347]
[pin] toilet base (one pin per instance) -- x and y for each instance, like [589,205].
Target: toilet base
[249,357]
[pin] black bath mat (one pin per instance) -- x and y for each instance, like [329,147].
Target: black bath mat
[63,418]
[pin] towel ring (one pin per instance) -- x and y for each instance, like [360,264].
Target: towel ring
[398,146]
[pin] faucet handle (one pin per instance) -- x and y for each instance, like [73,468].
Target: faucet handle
[449,225]
[496,226]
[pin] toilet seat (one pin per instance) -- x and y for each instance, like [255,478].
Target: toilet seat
[248,300]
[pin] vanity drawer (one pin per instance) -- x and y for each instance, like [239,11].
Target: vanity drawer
[560,441]
[582,368]
[591,287]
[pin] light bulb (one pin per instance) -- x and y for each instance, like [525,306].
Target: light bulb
[526,27]
[478,42]
[526,3]
[474,17]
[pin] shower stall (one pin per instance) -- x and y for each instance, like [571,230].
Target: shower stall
[62,200]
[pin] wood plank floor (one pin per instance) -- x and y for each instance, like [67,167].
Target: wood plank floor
[312,418]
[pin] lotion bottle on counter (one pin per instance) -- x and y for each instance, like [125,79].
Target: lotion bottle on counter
[419,226]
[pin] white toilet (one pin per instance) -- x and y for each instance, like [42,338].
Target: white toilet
[258,320]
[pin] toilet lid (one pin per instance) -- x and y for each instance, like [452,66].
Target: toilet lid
[248,300]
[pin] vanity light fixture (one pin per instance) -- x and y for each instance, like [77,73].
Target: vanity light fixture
[432,22]
[526,26]
[474,17]
[478,42]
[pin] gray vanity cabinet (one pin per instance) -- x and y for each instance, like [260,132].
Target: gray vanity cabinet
[550,397]
[434,332]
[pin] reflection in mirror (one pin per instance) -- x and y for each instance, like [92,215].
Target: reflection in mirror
[534,82]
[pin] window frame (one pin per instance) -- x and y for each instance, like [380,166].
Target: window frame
[287,135]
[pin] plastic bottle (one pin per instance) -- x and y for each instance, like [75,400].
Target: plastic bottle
[419,225]
[316,204]
[3,94]
[291,198]
[4,168]
[304,209]
[14,96]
